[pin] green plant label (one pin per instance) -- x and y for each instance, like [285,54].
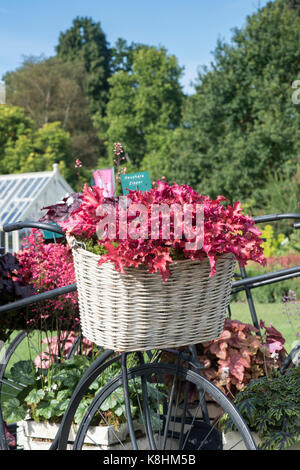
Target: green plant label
[136,181]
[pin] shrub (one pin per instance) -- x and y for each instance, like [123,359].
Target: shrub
[46,266]
[270,406]
[239,355]
[272,245]
[272,292]
[13,287]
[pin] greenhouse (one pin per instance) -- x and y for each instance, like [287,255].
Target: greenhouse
[22,196]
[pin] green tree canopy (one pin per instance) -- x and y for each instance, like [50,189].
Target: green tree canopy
[122,56]
[48,89]
[26,149]
[13,124]
[86,41]
[51,90]
[144,105]
[241,126]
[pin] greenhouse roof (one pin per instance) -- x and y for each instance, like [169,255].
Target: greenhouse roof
[20,192]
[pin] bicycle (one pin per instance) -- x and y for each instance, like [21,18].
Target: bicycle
[162,405]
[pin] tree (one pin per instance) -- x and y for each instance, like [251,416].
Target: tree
[26,149]
[51,90]
[122,56]
[86,41]
[13,124]
[144,105]
[241,124]
[48,89]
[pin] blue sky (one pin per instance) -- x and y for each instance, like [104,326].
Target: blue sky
[188,29]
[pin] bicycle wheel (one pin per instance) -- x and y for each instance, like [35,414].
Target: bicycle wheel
[167,407]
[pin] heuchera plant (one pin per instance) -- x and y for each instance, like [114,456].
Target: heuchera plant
[46,266]
[240,355]
[62,210]
[226,230]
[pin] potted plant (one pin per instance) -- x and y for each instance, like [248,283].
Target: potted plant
[270,406]
[135,272]
[38,408]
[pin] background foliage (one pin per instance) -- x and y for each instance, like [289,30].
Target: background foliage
[236,135]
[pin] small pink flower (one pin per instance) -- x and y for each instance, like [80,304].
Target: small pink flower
[118,149]
[78,163]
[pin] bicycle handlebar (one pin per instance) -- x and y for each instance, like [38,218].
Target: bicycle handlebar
[38,225]
[274,217]
[55,228]
[17,304]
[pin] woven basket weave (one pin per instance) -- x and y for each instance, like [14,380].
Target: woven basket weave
[138,311]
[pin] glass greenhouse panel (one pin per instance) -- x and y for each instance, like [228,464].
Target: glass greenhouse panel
[22,197]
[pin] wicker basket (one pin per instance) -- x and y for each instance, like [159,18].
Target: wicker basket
[138,311]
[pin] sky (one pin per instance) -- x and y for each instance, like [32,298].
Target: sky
[189,29]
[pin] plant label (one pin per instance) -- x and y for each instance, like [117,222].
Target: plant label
[136,181]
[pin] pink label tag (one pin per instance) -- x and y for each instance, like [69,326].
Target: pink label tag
[105,179]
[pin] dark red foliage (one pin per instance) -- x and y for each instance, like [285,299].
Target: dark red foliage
[226,229]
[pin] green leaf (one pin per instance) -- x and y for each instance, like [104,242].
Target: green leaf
[96,385]
[59,407]
[68,377]
[13,411]
[109,403]
[278,440]
[23,372]
[264,423]
[248,409]
[63,394]
[291,409]
[157,423]
[35,396]
[81,410]
[44,410]
[226,424]
[133,410]
[119,411]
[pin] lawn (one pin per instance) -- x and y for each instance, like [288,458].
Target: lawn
[269,313]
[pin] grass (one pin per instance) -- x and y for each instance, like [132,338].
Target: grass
[269,313]
[29,348]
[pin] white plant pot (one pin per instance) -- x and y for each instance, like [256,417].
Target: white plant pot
[38,436]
